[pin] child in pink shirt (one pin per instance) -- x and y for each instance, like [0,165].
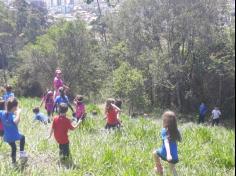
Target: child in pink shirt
[49,103]
[80,108]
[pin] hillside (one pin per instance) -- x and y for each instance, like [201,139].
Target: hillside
[205,151]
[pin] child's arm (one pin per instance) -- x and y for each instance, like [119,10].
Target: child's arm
[17,119]
[42,102]
[51,132]
[114,106]
[78,124]
[167,145]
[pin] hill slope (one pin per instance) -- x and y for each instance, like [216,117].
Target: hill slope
[205,151]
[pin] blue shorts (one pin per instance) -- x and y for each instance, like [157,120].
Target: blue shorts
[158,152]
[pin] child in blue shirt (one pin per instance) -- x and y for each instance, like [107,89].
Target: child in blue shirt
[10,120]
[169,150]
[40,116]
[8,94]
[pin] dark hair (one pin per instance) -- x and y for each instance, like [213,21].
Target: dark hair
[63,108]
[79,98]
[170,124]
[8,88]
[11,103]
[36,110]
[118,103]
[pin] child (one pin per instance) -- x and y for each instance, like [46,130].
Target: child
[2,107]
[80,108]
[216,116]
[202,113]
[112,112]
[60,127]
[39,116]
[10,120]
[62,98]
[170,135]
[8,94]
[49,103]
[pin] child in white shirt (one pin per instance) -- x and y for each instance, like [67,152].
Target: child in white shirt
[216,116]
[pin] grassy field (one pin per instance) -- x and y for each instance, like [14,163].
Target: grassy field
[205,151]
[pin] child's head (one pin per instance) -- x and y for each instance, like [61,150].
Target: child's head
[170,124]
[2,104]
[79,98]
[58,72]
[118,103]
[62,91]
[36,110]
[12,104]
[50,93]
[63,108]
[8,88]
[109,102]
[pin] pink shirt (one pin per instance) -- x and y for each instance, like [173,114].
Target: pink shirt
[49,103]
[57,83]
[80,110]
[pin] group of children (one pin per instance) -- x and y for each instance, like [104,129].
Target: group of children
[58,102]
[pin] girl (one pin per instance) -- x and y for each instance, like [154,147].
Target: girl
[168,152]
[80,108]
[49,103]
[10,119]
[58,82]
[112,112]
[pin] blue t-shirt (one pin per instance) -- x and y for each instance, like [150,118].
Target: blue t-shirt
[41,117]
[7,95]
[173,146]
[202,109]
[60,100]
[11,133]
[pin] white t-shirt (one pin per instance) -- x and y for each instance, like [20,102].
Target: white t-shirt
[216,114]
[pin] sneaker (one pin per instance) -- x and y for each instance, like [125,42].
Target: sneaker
[23,154]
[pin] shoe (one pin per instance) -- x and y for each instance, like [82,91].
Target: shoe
[23,155]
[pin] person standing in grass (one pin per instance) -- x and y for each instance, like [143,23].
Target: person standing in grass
[202,113]
[62,98]
[49,103]
[58,82]
[10,120]
[8,94]
[60,127]
[112,114]
[80,108]
[169,150]
[216,116]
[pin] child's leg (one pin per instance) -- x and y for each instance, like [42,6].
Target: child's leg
[13,151]
[22,144]
[173,169]
[158,163]
[64,151]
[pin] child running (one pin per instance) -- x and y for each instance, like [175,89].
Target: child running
[8,94]
[62,98]
[216,116]
[60,127]
[168,152]
[80,108]
[49,103]
[10,120]
[112,112]
[40,116]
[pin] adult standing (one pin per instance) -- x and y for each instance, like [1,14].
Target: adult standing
[58,82]
[202,112]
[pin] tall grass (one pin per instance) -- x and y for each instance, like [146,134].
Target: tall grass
[205,151]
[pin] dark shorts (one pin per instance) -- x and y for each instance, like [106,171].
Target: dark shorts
[109,126]
[64,151]
[1,133]
[164,158]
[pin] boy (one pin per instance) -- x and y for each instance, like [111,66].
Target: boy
[60,127]
[39,116]
[216,116]
[8,94]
